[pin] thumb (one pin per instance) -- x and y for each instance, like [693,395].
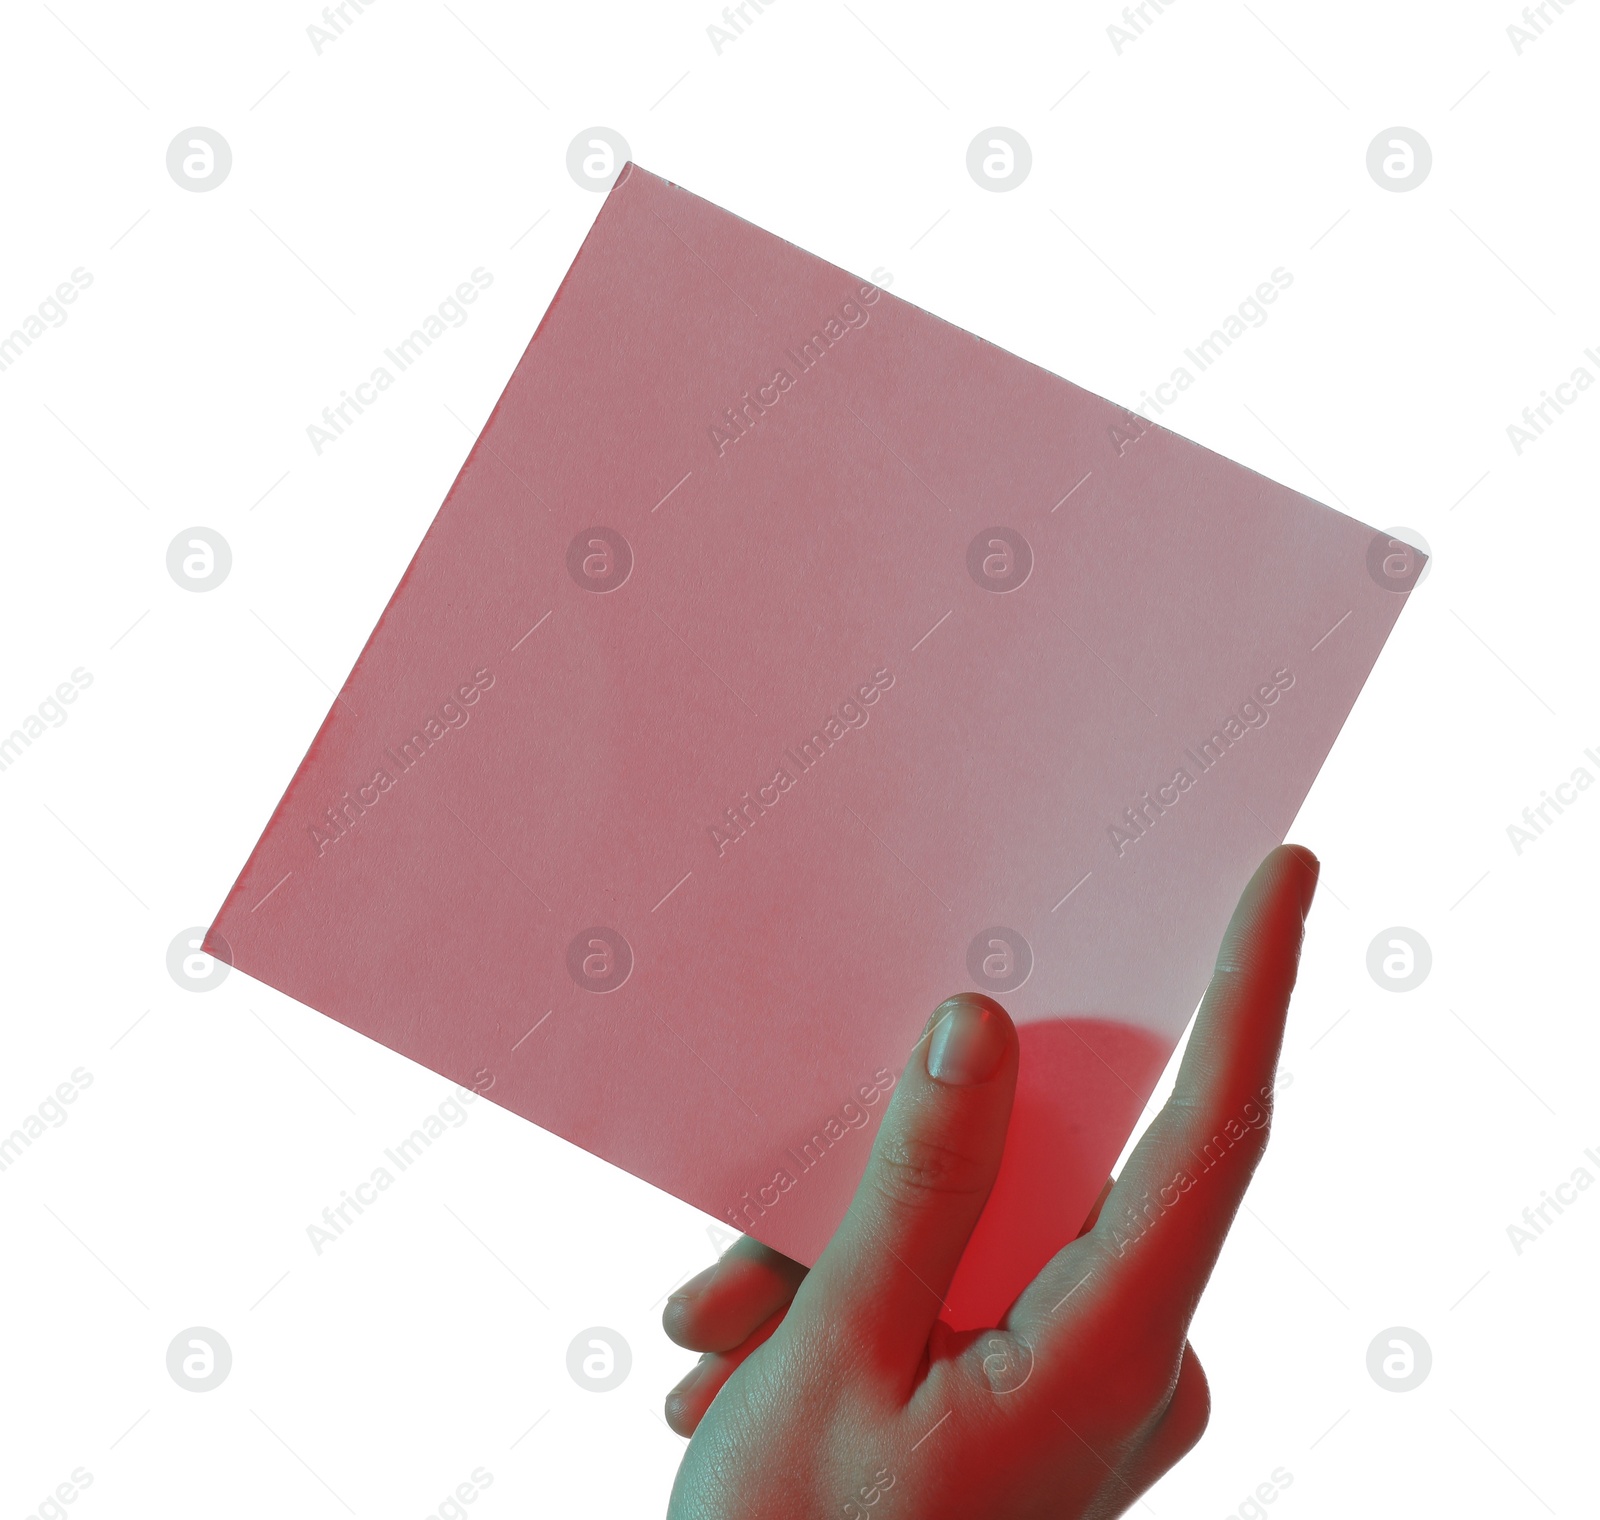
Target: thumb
[883,1279]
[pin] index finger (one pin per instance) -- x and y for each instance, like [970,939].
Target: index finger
[1161,1229]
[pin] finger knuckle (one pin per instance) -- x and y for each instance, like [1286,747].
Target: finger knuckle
[911,1170]
[1146,1392]
[1133,1388]
[1189,1424]
[1189,1412]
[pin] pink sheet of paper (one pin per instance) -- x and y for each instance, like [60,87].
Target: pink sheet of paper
[782,661]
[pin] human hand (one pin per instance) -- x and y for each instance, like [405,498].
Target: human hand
[839,1391]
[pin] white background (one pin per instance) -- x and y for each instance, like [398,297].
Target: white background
[1168,180]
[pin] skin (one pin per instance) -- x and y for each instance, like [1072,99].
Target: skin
[839,1391]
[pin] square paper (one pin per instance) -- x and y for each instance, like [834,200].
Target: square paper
[782,661]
